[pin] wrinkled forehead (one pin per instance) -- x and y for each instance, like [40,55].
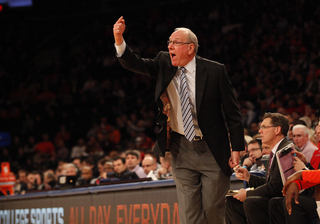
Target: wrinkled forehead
[297,131]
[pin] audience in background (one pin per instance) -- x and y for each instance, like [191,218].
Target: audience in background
[72,102]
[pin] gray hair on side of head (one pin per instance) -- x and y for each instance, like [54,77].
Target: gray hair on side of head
[191,37]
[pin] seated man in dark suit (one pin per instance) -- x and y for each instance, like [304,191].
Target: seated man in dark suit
[252,205]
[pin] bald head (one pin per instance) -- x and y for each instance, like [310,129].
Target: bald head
[148,164]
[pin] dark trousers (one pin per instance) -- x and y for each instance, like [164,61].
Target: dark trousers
[254,210]
[201,185]
[303,213]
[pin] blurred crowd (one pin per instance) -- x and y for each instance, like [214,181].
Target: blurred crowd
[63,95]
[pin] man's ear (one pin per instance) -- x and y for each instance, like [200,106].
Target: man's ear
[278,130]
[191,48]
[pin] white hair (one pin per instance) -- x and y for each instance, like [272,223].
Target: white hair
[304,128]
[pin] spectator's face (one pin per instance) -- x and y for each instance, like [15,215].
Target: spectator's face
[118,166]
[23,177]
[38,178]
[77,162]
[179,53]
[254,151]
[100,168]
[299,138]
[131,161]
[86,174]
[47,179]
[108,167]
[31,178]
[71,171]
[148,165]
[265,149]
[290,135]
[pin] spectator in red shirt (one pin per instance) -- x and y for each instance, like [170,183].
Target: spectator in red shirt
[45,146]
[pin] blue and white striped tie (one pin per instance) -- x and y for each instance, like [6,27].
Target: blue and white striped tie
[188,126]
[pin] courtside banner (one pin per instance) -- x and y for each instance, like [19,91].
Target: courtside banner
[129,206]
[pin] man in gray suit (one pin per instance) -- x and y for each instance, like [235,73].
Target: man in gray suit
[251,206]
[199,145]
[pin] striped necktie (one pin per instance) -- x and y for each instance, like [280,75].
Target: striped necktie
[188,126]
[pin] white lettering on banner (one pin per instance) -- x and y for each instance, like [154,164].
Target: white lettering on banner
[33,216]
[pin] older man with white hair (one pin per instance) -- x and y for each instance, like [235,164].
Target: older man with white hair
[301,140]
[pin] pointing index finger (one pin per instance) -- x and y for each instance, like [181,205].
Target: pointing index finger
[120,20]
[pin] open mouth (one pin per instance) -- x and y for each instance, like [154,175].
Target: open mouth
[173,56]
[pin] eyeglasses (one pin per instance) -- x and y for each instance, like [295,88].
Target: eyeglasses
[176,43]
[266,127]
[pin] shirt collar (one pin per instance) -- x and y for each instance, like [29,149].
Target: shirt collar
[274,149]
[190,67]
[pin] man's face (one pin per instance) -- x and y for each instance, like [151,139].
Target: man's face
[108,167]
[131,161]
[100,168]
[299,138]
[148,165]
[266,150]
[179,53]
[118,166]
[290,135]
[86,174]
[23,177]
[71,171]
[77,162]
[31,178]
[267,131]
[254,151]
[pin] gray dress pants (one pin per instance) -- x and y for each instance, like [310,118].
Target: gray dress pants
[201,185]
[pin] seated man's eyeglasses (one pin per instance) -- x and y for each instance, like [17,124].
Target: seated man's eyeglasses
[266,127]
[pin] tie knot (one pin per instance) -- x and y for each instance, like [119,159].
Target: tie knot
[271,154]
[183,69]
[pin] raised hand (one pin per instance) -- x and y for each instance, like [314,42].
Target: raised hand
[118,30]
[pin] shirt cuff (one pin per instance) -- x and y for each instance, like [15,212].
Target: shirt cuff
[120,48]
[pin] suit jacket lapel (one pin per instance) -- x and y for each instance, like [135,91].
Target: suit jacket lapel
[283,143]
[201,79]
